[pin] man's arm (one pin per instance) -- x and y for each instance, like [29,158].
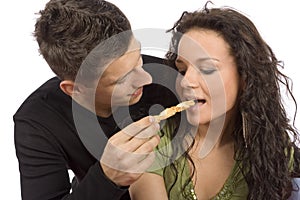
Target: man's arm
[44,171]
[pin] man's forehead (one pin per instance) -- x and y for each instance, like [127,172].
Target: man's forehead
[113,71]
[134,45]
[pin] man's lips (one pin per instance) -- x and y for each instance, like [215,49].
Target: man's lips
[137,92]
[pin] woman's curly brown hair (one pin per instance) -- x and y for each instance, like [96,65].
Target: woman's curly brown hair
[271,138]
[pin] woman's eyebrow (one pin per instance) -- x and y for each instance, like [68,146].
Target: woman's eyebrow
[199,60]
[207,58]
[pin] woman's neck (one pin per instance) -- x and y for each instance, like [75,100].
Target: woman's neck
[216,134]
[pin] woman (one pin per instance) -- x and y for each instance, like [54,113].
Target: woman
[243,146]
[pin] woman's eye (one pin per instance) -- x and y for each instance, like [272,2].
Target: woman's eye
[207,71]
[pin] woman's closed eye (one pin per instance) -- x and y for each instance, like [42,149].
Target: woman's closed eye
[202,70]
[207,70]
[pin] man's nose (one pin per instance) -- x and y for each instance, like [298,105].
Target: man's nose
[142,78]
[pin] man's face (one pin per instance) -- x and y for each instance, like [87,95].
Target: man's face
[122,82]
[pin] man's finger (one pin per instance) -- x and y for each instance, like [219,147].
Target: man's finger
[135,143]
[138,126]
[149,146]
[131,130]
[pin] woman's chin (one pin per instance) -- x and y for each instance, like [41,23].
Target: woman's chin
[194,121]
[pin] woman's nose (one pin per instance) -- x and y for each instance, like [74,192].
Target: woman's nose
[190,79]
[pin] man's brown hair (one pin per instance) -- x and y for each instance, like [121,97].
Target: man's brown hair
[68,30]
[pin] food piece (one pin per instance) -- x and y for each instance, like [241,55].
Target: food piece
[168,112]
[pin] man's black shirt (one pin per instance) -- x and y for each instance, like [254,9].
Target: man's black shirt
[48,145]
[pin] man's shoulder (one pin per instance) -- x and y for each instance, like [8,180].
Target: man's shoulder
[46,113]
[45,97]
[152,59]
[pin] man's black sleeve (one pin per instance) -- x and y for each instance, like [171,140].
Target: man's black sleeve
[43,170]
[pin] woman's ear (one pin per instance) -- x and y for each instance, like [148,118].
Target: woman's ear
[67,86]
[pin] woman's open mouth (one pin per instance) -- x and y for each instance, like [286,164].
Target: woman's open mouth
[198,104]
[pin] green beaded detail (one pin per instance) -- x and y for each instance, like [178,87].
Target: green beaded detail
[228,188]
[225,193]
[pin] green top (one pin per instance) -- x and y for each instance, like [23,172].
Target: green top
[234,188]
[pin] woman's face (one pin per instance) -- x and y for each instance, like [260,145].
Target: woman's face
[209,75]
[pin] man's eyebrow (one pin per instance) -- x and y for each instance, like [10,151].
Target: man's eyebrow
[123,77]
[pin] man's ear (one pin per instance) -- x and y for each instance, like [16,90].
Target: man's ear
[67,86]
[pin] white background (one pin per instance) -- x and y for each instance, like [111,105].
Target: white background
[23,70]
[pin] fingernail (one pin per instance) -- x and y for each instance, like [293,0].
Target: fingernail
[157,126]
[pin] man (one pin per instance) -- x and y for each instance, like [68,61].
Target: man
[89,46]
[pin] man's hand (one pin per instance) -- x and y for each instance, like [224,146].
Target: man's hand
[129,152]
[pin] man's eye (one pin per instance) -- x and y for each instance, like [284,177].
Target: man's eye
[122,80]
